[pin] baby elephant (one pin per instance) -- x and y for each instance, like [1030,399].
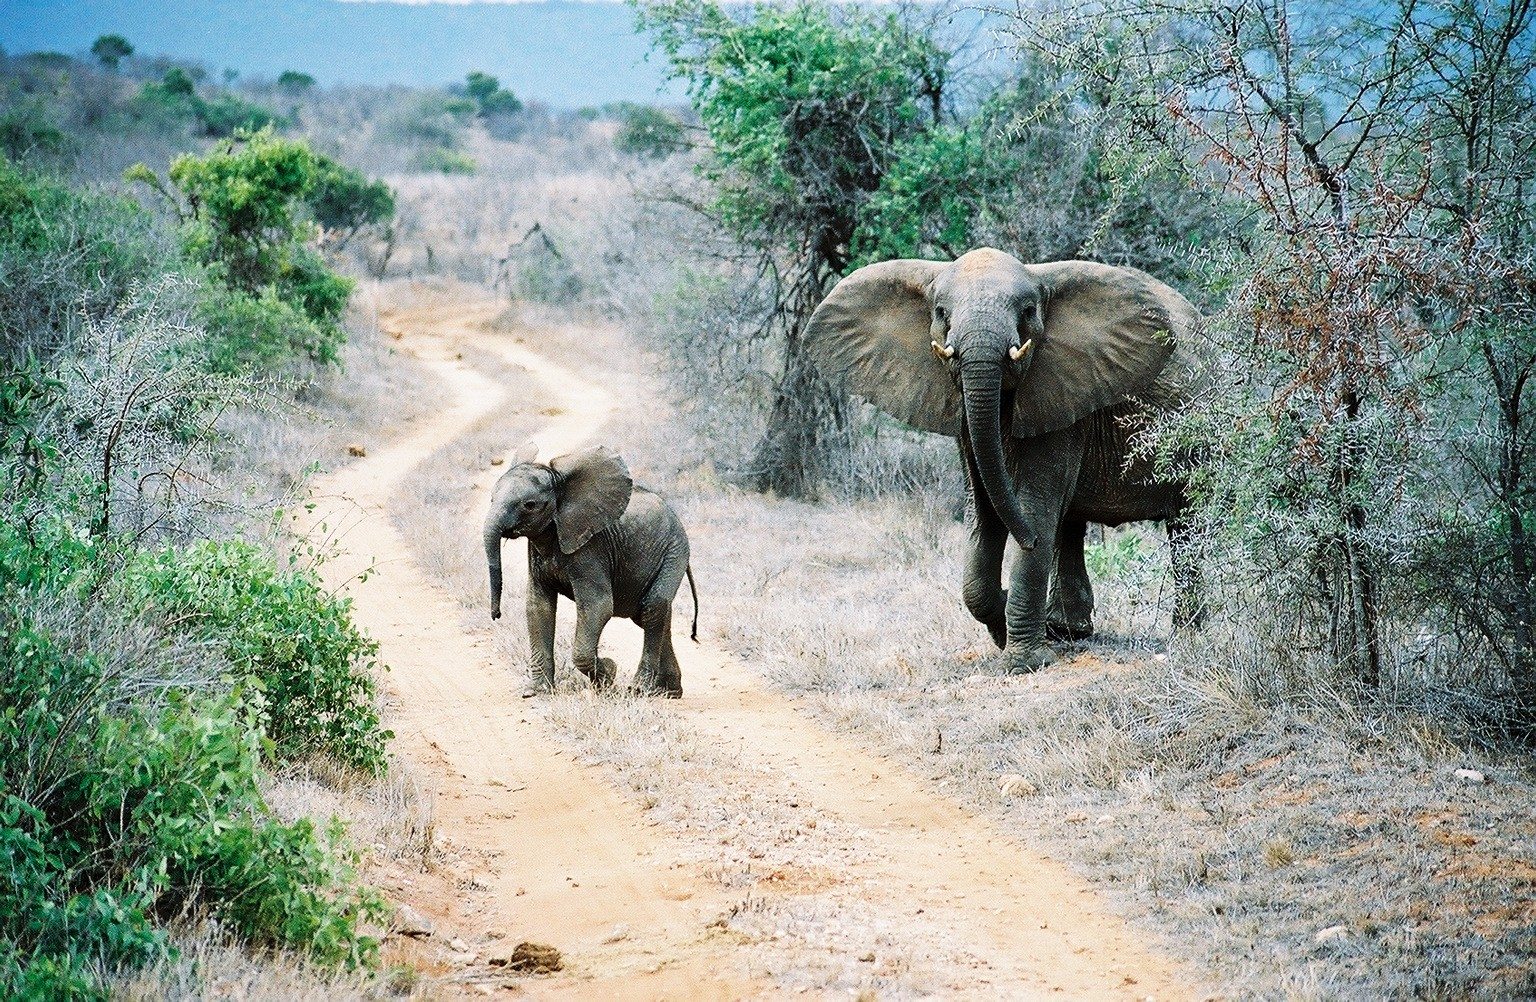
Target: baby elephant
[593,536]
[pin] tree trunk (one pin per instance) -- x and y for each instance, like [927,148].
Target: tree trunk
[806,427]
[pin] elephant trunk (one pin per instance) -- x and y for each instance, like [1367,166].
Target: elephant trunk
[981,387]
[493,562]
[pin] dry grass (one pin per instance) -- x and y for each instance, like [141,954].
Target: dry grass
[208,963]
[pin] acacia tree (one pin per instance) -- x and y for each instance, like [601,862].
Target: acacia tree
[1478,61]
[110,50]
[805,109]
[1386,263]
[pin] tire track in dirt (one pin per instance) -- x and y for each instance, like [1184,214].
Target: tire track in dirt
[568,858]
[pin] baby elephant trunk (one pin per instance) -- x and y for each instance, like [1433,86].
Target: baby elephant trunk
[493,563]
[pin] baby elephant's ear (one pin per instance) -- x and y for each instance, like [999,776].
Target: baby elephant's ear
[592,489]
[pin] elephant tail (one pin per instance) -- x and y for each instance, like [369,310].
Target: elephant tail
[695,591]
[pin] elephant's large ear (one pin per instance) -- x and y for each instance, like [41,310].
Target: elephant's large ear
[873,332]
[1108,333]
[592,490]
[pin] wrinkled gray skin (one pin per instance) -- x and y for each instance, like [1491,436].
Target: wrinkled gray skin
[1045,438]
[616,549]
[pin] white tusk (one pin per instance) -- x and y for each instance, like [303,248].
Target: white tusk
[942,350]
[1021,350]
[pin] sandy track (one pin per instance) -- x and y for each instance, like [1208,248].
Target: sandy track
[566,858]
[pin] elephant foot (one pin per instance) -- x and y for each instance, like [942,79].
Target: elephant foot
[1022,662]
[656,689]
[538,685]
[602,674]
[1069,631]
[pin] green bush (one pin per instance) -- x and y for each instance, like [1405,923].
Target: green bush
[139,809]
[175,97]
[444,161]
[228,115]
[280,629]
[27,130]
[648,131]
[344,200]
[245,201]
[249,333]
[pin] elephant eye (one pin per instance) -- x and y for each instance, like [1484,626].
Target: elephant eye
[530,504]
[941,313]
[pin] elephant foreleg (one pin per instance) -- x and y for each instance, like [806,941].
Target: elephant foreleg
[983,590]
[1027,584]
[540,605]
[1071,610]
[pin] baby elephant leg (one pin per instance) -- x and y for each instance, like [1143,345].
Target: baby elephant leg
[603,673]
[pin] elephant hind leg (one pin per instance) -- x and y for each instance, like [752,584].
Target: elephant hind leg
[1071,604]
[1188,582]
[659,673]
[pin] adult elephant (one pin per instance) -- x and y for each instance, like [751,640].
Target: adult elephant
[1044,372]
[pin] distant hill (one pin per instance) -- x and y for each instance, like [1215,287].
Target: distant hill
[560,52]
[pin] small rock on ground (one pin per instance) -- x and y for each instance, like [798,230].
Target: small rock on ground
[409,922]
[536,957]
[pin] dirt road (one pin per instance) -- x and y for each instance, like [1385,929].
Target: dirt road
[561,856]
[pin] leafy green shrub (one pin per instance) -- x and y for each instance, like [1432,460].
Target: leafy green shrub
[344,200]
[244,206]
[123,796]
[26,130]
[178,798]
[647,131]
[249,333]
[227,115]
[282,630]
[175,97]
[52,939]
[444,161]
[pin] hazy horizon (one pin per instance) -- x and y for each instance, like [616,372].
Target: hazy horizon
[567,53]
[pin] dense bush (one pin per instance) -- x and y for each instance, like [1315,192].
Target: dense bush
[648,131]
[175,96]
[65,252]
[146,679]
[129,772]
[344,201]
[244,206]
[805,107]
[279,629]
